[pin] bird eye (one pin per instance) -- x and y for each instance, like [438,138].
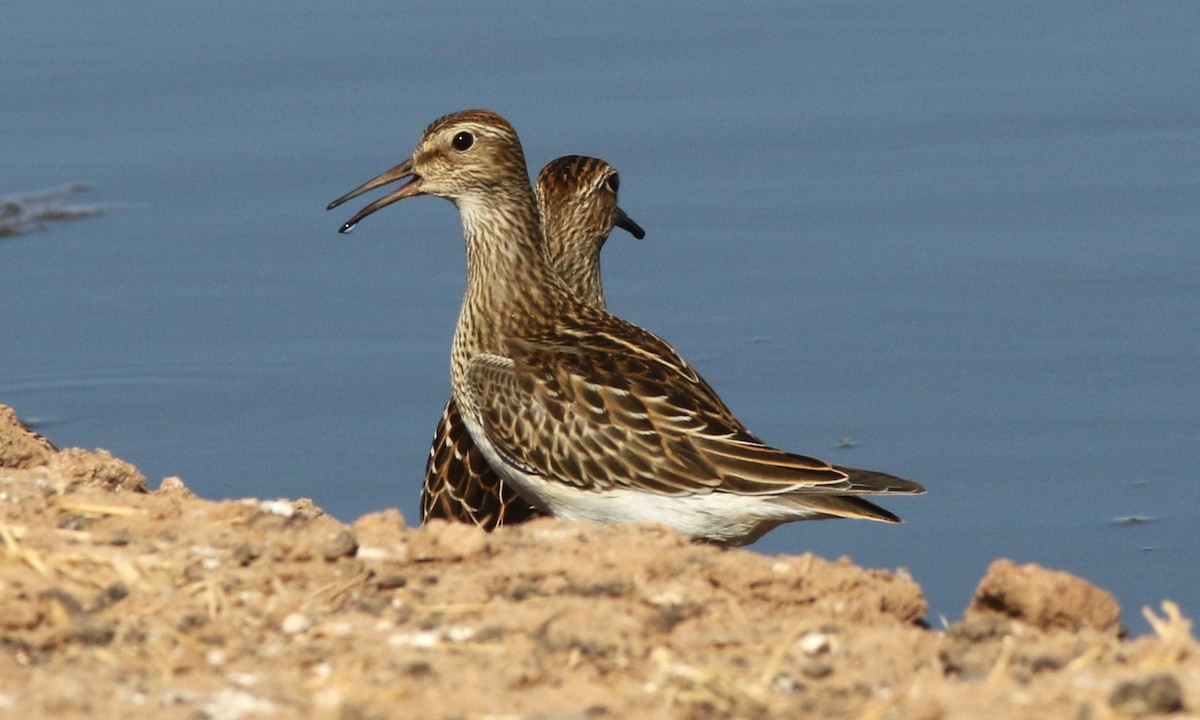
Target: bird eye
[613,182]
[463,141]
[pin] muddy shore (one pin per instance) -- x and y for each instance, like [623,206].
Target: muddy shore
[119,601]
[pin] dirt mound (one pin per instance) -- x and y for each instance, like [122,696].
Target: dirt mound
[119,602]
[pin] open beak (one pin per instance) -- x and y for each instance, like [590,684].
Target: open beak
[627,224]
[408,189]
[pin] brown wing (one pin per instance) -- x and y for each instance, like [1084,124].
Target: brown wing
[460,485]
[602,411]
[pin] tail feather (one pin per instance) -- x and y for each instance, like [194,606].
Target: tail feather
[837,506]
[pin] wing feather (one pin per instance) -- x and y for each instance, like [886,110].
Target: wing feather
[460,485]
[599,411]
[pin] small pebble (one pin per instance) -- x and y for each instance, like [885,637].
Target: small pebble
[459,633]
[295,623]
[283,508]
[340,544]
[243,679]
[814,643]
[173,484]
[1152,695]
[422,639]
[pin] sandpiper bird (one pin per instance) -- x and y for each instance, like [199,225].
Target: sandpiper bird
[577,202]
[587,416]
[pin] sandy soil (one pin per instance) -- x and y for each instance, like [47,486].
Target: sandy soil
[119,602]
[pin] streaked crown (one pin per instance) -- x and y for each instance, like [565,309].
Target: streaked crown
[577,199]
[468,151]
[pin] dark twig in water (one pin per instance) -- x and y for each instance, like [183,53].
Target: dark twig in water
[1132,520]
[33,211]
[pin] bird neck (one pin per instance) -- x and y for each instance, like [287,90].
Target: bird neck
[511,290]
[576,261]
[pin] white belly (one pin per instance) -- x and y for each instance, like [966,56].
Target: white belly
[719,517]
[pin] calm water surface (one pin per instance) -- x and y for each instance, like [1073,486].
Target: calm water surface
[967,240]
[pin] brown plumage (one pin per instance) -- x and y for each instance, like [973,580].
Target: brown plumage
[585,415]
[577,201]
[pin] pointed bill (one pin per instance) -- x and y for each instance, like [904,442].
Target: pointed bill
[627,224]
[408,189]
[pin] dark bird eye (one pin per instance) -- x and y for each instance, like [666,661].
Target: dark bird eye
[463,141]
[613,182]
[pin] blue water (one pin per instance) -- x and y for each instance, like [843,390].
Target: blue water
[967,239]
